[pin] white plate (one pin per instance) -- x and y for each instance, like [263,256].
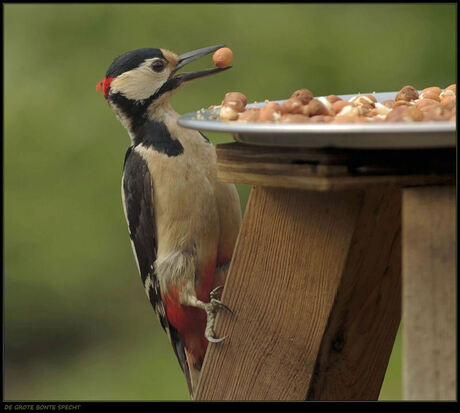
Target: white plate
[320,135]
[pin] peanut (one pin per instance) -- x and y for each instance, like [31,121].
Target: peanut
[432,104]
[407,93]
[236,96]
[222,57]
[333,98]
[316,107]
[405,114]
[339,105]
[249,115]
[344,119]
[425,102]
[292,105]
[270,112]
[452,88]
[389,103]
[431,90]
[304,95]
[294,118]
[449,102]
[430,95]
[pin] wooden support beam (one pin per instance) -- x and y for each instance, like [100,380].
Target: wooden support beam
[333,169]
[429,293]
[315,289]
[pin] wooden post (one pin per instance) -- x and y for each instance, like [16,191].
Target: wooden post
[315,281]
[315,290]
[429,293]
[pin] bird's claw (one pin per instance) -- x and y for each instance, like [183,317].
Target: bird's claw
[220,304]
[215,340]
[214,293]
[211,310]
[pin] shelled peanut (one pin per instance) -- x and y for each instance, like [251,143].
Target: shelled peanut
[222,57]
[431,104]
[233,104]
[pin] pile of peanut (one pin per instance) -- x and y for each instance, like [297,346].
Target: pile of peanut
[432,104]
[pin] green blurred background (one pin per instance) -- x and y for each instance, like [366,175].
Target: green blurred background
[77,324]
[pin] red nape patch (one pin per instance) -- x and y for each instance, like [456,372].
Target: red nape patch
[104,84]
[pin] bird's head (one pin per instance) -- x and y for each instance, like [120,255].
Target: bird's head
[147,77]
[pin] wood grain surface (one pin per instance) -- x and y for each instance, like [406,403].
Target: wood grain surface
[315,289]
[333,169]
[429,294]
[363,324]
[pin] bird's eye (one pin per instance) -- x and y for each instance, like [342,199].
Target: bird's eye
[158,65]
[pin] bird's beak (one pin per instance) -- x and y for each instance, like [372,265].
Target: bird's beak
[192,56]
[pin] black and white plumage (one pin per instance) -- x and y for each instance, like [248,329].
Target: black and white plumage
[138,202]
[182,222]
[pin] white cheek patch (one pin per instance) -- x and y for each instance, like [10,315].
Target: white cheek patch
[139,83]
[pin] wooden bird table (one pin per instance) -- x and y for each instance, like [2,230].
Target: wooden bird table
[315,282]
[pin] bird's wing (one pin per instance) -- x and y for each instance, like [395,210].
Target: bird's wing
[138,201]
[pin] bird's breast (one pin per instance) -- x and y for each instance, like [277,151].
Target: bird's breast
[185,205]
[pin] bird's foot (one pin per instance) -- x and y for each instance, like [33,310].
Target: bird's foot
[211,309]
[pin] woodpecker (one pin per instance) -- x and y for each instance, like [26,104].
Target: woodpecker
[182,222]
